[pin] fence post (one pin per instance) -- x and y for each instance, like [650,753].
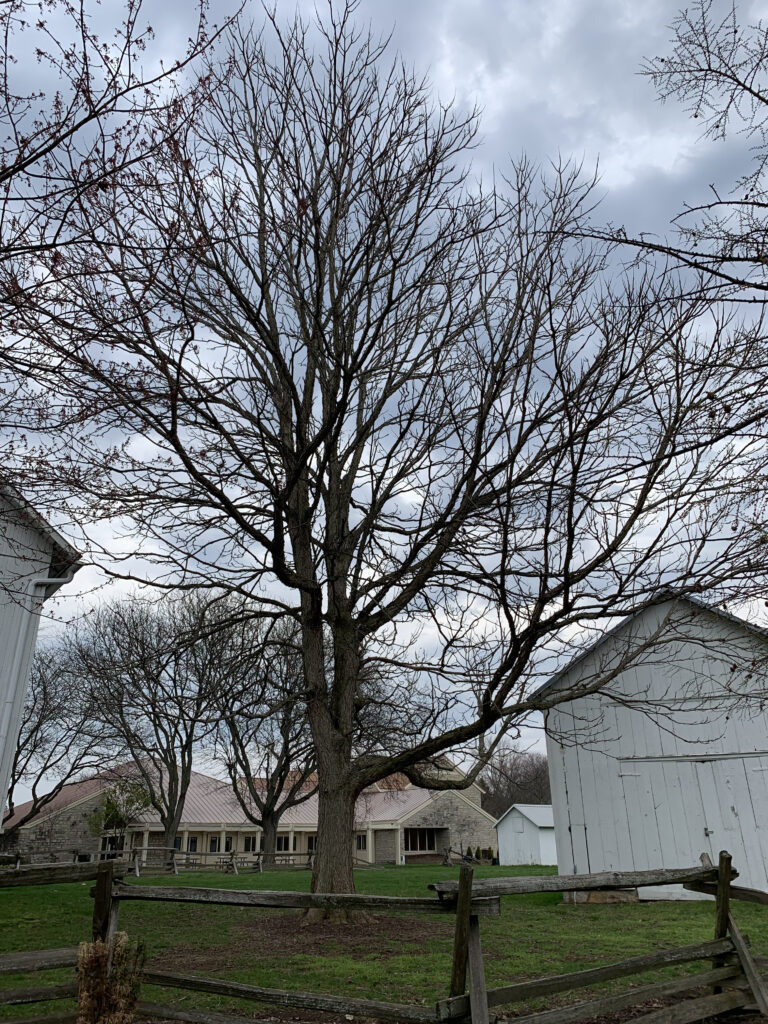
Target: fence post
[461,933]
[478,992]
[102,902]
[722,906]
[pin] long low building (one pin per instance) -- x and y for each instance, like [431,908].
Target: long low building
[395,823]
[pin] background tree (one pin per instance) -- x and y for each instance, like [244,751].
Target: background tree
[124,802]
[262,736]
[154,681]
[57,743]
[417,414]
[77,85]
[514,775]
[718,69]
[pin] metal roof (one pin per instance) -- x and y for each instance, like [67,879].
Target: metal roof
[539,814]
[212,802]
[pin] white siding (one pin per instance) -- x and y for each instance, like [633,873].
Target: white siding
[632,790]
[24,556]
[30,552]
[520,841]
[547,848]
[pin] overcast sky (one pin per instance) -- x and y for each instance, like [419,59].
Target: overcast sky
[560,81]
[557,79]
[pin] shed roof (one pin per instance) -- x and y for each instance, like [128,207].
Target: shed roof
[539,814]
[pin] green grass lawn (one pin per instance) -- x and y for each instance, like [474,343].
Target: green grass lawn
[395,958]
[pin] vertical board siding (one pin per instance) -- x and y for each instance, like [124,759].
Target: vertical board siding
[25,554]
[628,789]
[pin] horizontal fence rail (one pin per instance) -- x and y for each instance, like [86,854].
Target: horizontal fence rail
[458,1006]
[487,906]
[600,881]
[689,1010]
[281,997]
[37,960]
[54,874]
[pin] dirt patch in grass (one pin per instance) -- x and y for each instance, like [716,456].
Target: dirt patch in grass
[264,936]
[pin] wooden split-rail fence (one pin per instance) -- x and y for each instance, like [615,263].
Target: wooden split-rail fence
[730,978]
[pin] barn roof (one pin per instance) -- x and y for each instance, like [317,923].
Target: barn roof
[64,555]
[695,604]
[540,815]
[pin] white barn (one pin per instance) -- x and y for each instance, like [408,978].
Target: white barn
[671,760]
[35,560]
[526,835]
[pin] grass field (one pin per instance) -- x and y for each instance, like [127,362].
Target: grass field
[394,958]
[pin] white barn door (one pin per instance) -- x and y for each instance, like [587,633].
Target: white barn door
[734,793]
[678,808]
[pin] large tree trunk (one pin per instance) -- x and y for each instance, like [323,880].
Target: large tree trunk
[269,831]
[171,827]
[332,869]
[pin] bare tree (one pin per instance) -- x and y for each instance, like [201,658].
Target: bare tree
[718,69]
[419,415]
[78,83]
[125,800]
[514,775]
[263,736]
[154,682]
[57,743]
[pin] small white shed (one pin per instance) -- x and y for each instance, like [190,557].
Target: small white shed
[669,759]
[35,560]
[526,835]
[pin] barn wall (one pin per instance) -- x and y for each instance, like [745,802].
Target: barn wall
[633,791]
[25,554]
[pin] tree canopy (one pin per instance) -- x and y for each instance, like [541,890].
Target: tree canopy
[303,355]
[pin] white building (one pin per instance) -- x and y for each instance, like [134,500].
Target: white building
[526,835]
[35,560]
[672,759]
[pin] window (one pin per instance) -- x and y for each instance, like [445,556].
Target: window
[251,844]
[228,844]
[419,840]
[312,843]
[192,844]
[360,841]
[213,844]
[282,844]
[177,843]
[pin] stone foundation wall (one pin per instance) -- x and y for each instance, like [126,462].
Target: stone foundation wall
[463,823]
[55,837]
